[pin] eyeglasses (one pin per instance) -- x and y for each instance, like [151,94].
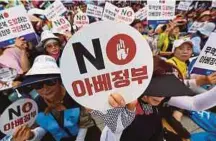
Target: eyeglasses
[47,82]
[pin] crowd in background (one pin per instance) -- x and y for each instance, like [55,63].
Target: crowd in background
[38,74]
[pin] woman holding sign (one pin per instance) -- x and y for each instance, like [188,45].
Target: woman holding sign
[143,122]
[59,115]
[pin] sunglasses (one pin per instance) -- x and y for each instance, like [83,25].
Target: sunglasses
[40,85]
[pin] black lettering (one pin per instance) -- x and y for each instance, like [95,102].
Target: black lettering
[12,111]
[80,51]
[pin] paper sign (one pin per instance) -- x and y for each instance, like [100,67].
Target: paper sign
[61,25]
[213,3]
[106,57]
[206,62]
[184,6]
[141,14]
[56,9]
[160,9]
[6,85]
[21,112]
[195,26]
[110,12]
[94,11]
[81,19]
[7,74]
[125,15]
[14,23]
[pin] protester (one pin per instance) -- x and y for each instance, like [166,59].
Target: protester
[166,39]
[205,16]
[54,104]
[171,38]
[51,45]
[201,36]
[146,125]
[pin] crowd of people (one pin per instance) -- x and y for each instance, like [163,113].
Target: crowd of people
[155,116]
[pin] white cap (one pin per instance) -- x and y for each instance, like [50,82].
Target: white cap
[44,64]
[47,34]
[179,42]
[207,28]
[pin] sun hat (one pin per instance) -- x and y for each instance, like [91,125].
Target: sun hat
[205,13]
[44,68]
[207,28]
[46,35]
[164,83]
[44,64]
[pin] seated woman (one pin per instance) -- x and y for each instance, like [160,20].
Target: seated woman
[182,51]
[59,114]
[143,120]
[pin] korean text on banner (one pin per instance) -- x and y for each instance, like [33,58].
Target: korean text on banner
[61,25]
[125,15]
[94,11]
[106,62]
[22,112]
[160,9]
[110,12]
[184,6]
[81,19]
[55,9]
[206,62]
[14,24]
[141,14]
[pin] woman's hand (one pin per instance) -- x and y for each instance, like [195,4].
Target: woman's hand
[23,133]
[116,100]
[204,80]
[21,43]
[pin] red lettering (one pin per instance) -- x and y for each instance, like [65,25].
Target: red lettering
[78,88]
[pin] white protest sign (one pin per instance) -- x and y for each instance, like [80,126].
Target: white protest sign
[94,11]
[7,74]
[213,3]
[160,9]
[184,6]
[81,19]
[125,15]
[206,62]
[102,63]
[55,9]
[141,14]
[61,25]
[15,24]
[110,12]
[21,112]
[195,26]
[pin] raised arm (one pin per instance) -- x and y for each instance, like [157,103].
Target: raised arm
[199,102]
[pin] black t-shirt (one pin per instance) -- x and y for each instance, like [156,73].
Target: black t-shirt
[145,127]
